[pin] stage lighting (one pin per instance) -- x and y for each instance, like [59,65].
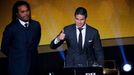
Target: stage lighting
[127,67]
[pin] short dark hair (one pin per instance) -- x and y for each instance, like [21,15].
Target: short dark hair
[81,11]
[15,8]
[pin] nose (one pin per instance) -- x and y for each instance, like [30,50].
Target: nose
[79,21]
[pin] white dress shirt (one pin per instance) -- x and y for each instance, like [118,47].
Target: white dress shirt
[83,34]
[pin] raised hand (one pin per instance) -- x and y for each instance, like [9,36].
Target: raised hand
[61,35]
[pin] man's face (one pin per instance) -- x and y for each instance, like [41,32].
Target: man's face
[23,13]
[80,20]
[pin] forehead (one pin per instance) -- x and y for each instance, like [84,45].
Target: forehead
[22,7]
[80,16]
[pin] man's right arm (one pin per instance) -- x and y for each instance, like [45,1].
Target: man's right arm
[58,40]
[6,40]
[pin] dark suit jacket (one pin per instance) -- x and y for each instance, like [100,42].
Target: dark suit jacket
[20,45]
[91,54]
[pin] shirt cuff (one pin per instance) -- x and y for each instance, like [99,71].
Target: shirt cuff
[56,41]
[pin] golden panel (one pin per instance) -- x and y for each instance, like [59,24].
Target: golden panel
[113,18]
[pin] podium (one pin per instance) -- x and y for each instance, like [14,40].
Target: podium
[79,71]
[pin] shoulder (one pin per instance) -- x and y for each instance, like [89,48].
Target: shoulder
[69,26]
[35,23]
[11,25]
[91,29]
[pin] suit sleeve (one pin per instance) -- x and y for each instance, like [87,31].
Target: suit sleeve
[98,49]
[39,33]
[6,40]
[54,46]
[37,37]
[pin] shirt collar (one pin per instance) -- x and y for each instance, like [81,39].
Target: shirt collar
[23,23]
[84,27]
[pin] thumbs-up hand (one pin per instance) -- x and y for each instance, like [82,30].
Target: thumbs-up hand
[61,35]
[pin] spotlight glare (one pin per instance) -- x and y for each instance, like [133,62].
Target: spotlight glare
[127,67]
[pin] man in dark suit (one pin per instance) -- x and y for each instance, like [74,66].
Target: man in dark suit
[83,42]
[20,41]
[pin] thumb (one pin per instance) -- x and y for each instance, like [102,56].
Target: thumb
[62,31]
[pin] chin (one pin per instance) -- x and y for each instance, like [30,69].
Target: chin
[80,25]
[25,20]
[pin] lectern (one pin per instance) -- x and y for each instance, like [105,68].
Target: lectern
[79,71]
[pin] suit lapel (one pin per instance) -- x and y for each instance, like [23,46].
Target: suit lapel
[86,36]
[75,34]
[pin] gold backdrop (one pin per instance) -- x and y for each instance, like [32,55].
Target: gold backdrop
[113,18]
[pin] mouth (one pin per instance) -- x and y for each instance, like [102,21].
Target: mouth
[26,17]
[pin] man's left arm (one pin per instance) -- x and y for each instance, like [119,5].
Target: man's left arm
[98,49]
[38,34]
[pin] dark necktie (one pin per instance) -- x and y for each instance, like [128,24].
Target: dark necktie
[80,39]
[26,25]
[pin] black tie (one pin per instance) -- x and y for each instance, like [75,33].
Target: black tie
[80,39]
[26,25]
